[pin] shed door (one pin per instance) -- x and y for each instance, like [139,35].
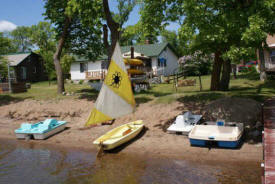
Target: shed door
[24,72]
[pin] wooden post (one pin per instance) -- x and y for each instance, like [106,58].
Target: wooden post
[9,78]
[200,82]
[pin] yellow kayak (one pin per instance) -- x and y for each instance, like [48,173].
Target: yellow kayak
[119,135]
[133,62]
[135,72]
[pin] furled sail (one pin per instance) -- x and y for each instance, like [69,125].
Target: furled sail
[116,97]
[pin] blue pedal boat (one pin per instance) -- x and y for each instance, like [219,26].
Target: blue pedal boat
[226,136]
[40,130]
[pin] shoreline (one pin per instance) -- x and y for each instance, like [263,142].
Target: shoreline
[183,151]
[152,141]
[200,155]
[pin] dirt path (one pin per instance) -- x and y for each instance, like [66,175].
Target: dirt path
[153,140]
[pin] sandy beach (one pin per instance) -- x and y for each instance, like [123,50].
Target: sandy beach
[153,141]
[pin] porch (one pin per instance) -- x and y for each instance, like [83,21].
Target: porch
[95,75]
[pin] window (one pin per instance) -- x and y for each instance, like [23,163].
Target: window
[272,56]
[83,67]
[162,62]
[104,65]
[34,69]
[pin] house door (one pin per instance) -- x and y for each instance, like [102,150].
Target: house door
[24,72]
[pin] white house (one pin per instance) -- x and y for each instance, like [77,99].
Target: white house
[162,59]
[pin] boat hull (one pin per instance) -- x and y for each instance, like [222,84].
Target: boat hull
[40,130]
[221,136]
[184,126]
[113,142]
[223,144]
[50,133]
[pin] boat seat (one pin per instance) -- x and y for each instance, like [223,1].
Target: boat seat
[26,126]
[220,123]
[47,125]
[50,122]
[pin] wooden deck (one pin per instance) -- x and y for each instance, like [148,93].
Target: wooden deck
[269,142]
[96,75]
[18,87]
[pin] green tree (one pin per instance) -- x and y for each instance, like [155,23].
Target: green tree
[66,62]
[115,22]
[173,38]
[229,29]
[21,38]
[6,47]
[136,34]
[78,29]
[43,36]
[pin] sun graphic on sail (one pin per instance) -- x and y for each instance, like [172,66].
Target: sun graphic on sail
[116,79]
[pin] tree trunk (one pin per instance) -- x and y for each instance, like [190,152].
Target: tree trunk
[113,26]
[105,41]
[57,55]
[200,82]
[216,72]
[224,83]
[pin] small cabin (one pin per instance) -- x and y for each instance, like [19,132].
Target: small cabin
[26,67]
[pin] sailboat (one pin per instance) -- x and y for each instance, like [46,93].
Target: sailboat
[115,99]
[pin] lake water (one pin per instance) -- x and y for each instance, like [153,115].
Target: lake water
[33,164]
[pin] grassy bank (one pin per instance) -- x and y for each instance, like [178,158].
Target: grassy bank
[246,85]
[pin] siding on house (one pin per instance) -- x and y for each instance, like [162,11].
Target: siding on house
[94,66]
[75,72]
[171,61]
[91,67]
[154,65]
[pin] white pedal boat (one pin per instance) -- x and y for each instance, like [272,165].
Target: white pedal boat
[184,123]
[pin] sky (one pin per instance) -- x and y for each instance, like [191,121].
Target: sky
[29,12]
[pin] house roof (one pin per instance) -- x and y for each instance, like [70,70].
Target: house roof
[150,50]
[16,59]
[83,58]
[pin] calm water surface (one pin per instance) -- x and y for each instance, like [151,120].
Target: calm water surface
[32,164]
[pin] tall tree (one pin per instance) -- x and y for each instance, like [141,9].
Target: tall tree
[115,22]
[173,38]
[6,47]
[221,27]
[136,34]
[21,38]
[77,24]
[43,37]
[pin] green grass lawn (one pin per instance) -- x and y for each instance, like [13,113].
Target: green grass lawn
[44,91]
[247,85]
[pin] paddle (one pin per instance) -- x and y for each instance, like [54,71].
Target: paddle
[100,151]
[126,132]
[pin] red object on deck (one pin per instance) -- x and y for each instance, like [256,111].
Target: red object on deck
[269,141]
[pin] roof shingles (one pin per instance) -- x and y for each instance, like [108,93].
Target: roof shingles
[150,50]
[15,59]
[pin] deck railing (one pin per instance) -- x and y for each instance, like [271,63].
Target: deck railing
[96,75]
